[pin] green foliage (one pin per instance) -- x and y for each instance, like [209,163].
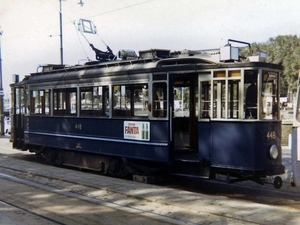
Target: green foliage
[283,50]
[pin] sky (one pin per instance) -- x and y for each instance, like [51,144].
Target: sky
[31,28]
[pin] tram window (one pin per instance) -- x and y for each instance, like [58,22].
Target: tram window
[159,99]
[40,102]
[106,102]
[140,100]
[121,100]
[35,99]
[250,94]
[181,101]
[234,73]
[219,98]
[205,99]
[59,97]
[16,99]
[20,101]
[72,102]
[65,101]
[196,96]
[226,95]
[91,101]
[219,74]
[46,108]
[233,99]
[270,95]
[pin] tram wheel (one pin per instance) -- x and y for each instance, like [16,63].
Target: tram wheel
[277,182]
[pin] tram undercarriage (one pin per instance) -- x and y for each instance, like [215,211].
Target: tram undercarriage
[108,165]
[185,165]
[189,166]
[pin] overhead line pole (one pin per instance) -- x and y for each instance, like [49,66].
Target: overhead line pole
[61,34]
[1,93]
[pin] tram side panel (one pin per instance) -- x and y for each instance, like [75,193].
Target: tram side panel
[97,136]
[232,145]
[204,141]
[243,148]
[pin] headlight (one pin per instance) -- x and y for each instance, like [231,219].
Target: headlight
[274,152]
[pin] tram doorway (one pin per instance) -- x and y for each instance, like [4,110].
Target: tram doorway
[17,117]
[185,104]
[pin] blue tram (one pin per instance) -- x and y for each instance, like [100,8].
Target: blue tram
[190,113]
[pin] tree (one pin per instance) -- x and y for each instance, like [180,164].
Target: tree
[285,50]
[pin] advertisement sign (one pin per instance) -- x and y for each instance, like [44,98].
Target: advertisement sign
[137,130]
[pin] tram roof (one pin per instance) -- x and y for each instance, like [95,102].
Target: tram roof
[188,61]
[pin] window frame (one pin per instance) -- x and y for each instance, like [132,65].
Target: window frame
[64,95]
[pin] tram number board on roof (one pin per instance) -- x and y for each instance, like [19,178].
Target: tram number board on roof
[137,130]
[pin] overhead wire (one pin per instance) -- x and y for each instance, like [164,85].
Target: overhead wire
[118,9]
[111,11]
[38,29]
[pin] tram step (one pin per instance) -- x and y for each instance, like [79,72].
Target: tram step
[187,158]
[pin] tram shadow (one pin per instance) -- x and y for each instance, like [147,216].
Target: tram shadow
[245,190]
[28,157]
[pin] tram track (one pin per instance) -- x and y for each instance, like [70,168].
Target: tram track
[23,210]
[265,189]
[108,196]
[83,196]
[106,203]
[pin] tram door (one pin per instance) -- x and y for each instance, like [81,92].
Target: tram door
[184,115]
[17,117]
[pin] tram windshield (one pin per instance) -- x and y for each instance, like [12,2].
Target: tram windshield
[250,98]
[270,95]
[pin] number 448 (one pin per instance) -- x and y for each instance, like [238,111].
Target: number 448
[271,135]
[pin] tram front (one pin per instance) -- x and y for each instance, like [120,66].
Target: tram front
[244,122]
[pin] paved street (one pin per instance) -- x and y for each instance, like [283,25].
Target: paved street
[181,202]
